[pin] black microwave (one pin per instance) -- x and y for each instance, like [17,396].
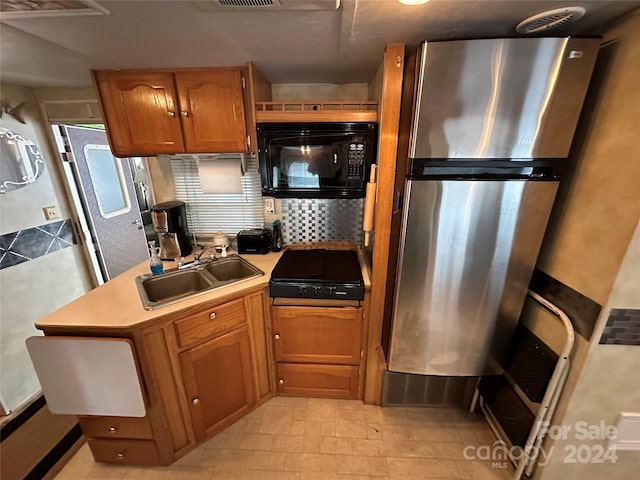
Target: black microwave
[316,160]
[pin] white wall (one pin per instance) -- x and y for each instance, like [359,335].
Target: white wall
[34,288]
[609,384]
[593,246]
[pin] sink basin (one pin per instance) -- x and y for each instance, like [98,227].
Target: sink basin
[171,287]
[175,285]
[231,268]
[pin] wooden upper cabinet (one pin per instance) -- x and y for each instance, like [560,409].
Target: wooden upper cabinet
[140,112]
[212,110]
[192,111]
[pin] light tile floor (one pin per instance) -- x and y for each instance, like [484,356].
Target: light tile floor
[318,439]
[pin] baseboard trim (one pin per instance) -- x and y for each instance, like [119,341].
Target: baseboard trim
[55,454]
[21,418]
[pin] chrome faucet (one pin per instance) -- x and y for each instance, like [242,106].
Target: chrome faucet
[197,259]
[212,256]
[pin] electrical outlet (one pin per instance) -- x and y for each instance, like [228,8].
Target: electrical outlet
[269,205]
[51,213]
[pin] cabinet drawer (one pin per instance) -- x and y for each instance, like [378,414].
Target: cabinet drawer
[210,322]
[116,427]
[335,381]
[133,452]
[317,335]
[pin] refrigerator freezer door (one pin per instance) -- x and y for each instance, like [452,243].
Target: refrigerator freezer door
[500,98]
[468,249]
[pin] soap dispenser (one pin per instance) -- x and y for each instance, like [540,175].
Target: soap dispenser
[155,263]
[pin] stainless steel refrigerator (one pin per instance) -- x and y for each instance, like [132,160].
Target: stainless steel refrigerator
[492,120]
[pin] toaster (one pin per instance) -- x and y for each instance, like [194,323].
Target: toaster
[257,240]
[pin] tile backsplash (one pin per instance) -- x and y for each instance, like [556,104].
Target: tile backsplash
[623,327]
[582,310]
[30,243]
[307,220]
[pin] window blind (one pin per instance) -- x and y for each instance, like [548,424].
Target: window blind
[211,213]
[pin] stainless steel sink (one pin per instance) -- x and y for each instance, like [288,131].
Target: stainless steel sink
[173,286]
[227,270]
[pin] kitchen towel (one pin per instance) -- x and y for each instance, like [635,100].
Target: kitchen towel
[220,174]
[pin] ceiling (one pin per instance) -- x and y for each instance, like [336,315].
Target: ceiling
[289,46]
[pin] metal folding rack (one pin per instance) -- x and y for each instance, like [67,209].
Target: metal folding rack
[528,390]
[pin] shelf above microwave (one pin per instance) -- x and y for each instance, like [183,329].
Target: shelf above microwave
[316,112]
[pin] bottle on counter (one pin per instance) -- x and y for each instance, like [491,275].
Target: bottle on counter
[276,238]
[155,263]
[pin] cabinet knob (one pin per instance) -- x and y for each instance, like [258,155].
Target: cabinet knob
[281,381]
[171,114]
[120,456]
[195,401]
[212,315]
[112,429]
[184,113]
[276,336]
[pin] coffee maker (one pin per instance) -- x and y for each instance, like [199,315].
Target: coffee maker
[169,221]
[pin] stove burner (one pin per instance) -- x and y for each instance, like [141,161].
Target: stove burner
[318,273]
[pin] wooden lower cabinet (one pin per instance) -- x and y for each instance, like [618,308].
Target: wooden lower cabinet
[120,439]
[314,380]
[133,452]
[218,378]
[116,427]
[317,334]
[318,350]
[199,373]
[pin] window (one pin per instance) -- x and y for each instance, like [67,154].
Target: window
[209,213]
[108,181]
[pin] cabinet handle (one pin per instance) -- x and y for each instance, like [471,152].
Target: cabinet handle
[212,315]
[281,381]
[120,456]
[184,113]
[112,429]
[171,114]
[276,336]
[195,401]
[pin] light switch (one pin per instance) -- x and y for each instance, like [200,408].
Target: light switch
[51,212]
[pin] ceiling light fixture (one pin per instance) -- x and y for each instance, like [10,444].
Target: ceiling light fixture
[17,9]
[413,2]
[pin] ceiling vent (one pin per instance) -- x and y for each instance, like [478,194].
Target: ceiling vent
[550,19]
[237,5]
[248,3]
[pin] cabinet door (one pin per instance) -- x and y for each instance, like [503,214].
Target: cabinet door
[332,381]
[218,380]
[317,334]
[212,110]
[140,112]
